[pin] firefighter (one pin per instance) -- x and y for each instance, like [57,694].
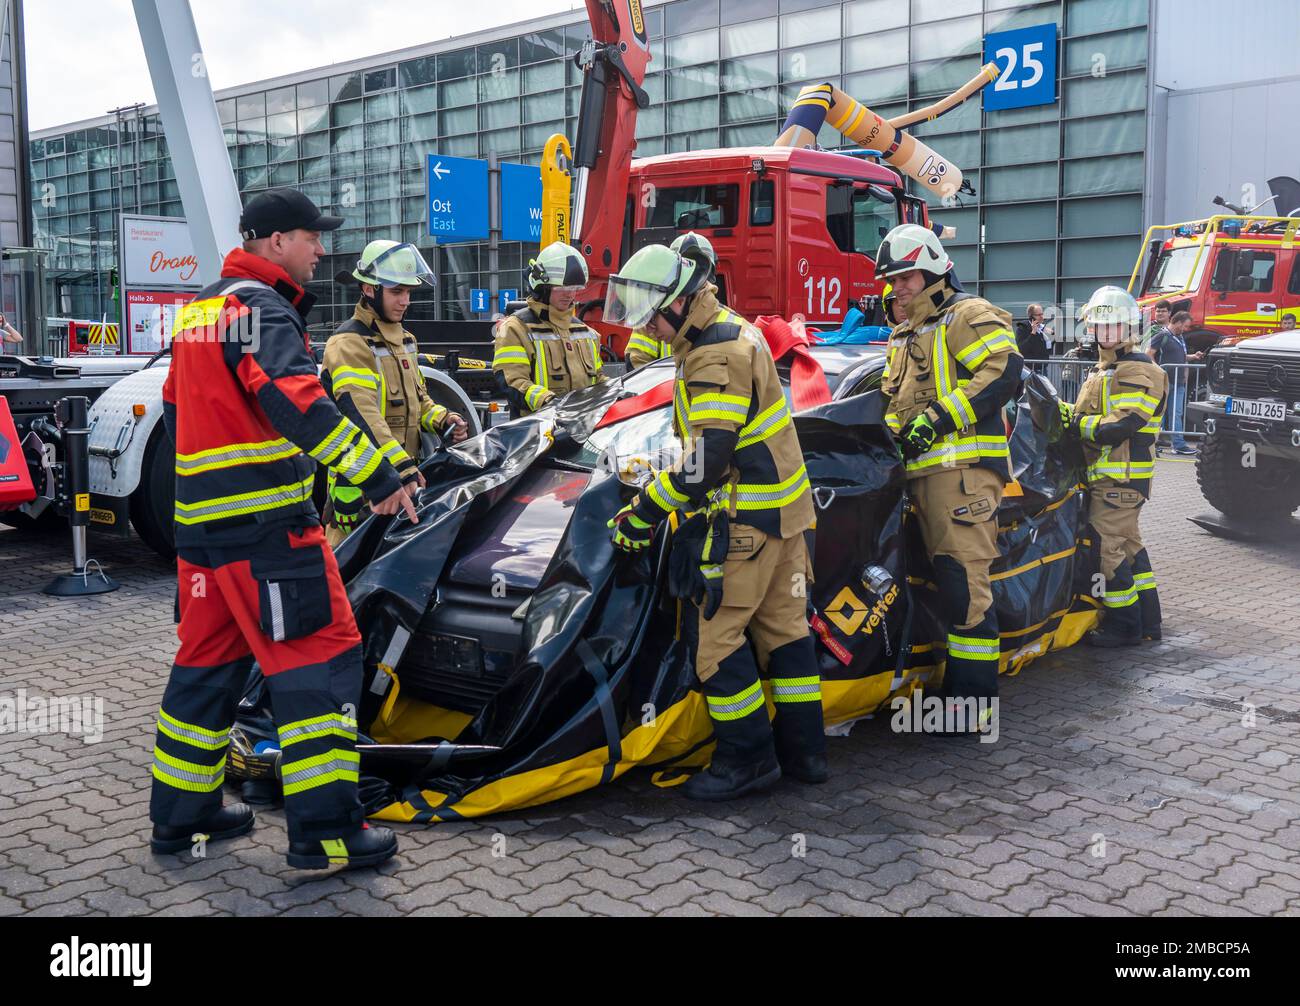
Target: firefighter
[950,368]
[372,370]
[642,348]
[543,351]
[1117,416]
[743,472]
[250,421]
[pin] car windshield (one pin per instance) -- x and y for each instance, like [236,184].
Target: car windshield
[1175,267]
[648,437]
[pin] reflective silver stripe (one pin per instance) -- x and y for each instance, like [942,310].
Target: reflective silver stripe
[786,692]
[277,610]
[334,723]
[340,763]
[337,444]
[273,449]
[364,455]
[187,512]
[760,429]
[736,703]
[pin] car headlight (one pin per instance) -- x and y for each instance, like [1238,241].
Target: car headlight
[1219,370]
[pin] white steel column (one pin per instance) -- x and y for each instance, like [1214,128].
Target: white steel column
[193,128]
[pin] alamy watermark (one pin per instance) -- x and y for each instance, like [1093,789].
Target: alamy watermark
[935,714]
[75,715]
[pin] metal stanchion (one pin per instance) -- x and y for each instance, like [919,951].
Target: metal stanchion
[70,414]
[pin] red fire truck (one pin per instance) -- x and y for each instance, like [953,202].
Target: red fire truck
[1238,276]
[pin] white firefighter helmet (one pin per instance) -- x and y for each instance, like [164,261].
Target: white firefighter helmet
[392,263]
[559,266]
[908,247]
[1111,317]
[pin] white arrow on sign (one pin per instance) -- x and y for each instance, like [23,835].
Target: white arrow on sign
[438,171]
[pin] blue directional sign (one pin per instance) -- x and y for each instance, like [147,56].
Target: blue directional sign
[458,198]
[505,297]
[1026,58]
[478,301]
[521,202]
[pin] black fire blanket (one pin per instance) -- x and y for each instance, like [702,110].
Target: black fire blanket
[603,681]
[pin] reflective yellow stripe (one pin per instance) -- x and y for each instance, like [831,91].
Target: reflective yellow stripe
[953,449]
[973,647]
[336,724]
[359,463]
[510,356]
[358,377]
[713,405]
[192,733]
[335,443]
[807,689]
[244,503]
[534,395]
[397,457]
[986,345]
[320,770]
[642,342]
[433,418]
[759,496]
[664,495]
[733,707]
[234,454]
[766,424]
[186,775]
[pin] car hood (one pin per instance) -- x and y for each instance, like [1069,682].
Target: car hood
[1280,342]
[515,541]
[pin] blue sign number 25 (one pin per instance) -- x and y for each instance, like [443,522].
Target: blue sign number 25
[1026,59]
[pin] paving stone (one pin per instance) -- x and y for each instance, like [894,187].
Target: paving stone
[1201,815]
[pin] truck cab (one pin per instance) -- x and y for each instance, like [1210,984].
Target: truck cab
[796,231]
[1238,276]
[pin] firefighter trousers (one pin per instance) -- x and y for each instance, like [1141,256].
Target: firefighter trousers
[279,600]
[957,511]
[1130,597]
[764,597]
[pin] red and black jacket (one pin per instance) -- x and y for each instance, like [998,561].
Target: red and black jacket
[245,407]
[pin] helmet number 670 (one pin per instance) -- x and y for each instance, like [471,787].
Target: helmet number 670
[823,287]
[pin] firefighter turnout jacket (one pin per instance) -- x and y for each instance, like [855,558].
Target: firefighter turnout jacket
[242,402]
[954,358]
[541,353]
[643,348]
[1119,409]
[730,412]
[372,370]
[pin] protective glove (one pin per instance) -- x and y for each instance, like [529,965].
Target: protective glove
[631,533]
[1068,419]
[918,436]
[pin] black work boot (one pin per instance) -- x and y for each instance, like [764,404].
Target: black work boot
[798,729]
[228,822]
[744,760]
[1103,637]
[1148,596]
[1121,625]
[367,847]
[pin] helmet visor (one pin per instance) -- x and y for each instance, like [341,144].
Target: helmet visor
[401,265]
[632,303]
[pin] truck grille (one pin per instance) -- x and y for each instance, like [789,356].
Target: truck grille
[1264,375]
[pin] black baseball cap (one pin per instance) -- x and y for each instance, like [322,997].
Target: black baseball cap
[283,210]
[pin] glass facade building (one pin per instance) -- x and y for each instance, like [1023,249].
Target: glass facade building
[1058,206]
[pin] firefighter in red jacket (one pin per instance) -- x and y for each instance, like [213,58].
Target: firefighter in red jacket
[250,421]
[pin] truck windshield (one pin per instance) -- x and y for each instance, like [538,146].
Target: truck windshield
[692,206]
[1174,268]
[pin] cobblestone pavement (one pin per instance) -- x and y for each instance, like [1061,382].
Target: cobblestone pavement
[1123,782]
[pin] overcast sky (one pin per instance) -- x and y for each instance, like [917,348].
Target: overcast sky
[84,56]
